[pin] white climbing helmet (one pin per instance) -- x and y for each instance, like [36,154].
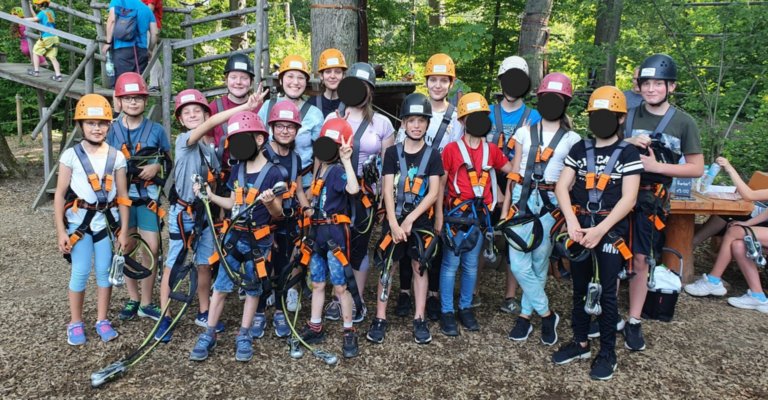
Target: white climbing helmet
[513,62]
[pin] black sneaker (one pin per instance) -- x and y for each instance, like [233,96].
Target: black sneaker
[521,330]
[403,308]
[358,315]
[377,331]
[310,336]
[448,325]
[433,308]
[468,321]
[570,352]
[421,333]
[603,367]
[594,329]
[549,329]
[350,348]
[633,337]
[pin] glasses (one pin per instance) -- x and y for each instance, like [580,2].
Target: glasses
[284,128]
[132,99]
[96,124]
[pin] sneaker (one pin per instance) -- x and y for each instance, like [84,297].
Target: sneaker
[510,306]
[281,325]
[448,324]
[241,294]
[570,352]
[243,348]
[549,329]
[151,310]
[205,343]
[633,337]
[748,302]
[350,348]
[377,331]
[202,321]
[311,337]
[703,287]
[76,334]
[292,300]
[594,328]
[333,310]
[160,334]
[468,321]
[602,368]
[359,315]
[258,326]
[421,333]
[476,301]
[433,308]
[403,308]
[129,310]
[105,331]
[521,330]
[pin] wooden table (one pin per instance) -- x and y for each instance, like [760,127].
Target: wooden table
[680,226]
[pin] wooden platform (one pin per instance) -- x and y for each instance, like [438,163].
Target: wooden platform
[18,73]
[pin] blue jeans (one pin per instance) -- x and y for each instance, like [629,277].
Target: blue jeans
[224,284]
[82,252]
[531,269]
[468,261]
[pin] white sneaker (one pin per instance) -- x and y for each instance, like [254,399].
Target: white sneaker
[292,300]
[703,287]
[620,324]
[747,302]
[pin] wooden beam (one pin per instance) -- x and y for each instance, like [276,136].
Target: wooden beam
[67,46]
[189,52]
[177,10]
[212,57]
[167,86]
[76,13]
[42,28]
[180,44]
[217,17]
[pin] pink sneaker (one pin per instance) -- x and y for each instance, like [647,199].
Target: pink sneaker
[104,329]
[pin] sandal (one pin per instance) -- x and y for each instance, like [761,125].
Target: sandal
[56,78]
[32,72]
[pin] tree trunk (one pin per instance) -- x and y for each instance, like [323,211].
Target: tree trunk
[8,165]
[606,34]
[334,27]
[534,35]
[237,42]
[436,12]
[492,58]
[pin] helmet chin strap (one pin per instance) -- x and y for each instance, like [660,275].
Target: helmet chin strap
[92,143]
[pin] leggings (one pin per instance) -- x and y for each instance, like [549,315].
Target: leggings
[82,252]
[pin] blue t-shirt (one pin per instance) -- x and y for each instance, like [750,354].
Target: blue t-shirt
[116,137]
[143,18]
[258,214]
[510,120]
[334,197]
[48,18]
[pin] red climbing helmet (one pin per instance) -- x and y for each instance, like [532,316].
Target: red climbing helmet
[130,83]
[285,111]
[556,83]
[190,96]
[336,129]
[245,122]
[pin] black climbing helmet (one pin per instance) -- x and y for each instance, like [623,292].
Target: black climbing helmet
[416,104]
[658,66]
[239,62]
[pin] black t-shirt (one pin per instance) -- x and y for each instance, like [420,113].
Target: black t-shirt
[285,163]
[391,165]
[628,164]
[328,106]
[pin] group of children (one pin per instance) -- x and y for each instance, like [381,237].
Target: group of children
[449,178]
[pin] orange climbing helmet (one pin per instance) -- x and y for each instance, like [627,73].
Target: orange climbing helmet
[93,106]
[331,58]
[190,96]
[607,98]
[472,103]
[293,62]
[130,83]
[440,64]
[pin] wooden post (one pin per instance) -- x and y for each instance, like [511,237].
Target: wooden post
[679,236]
[258,54]
[166,92]
[89,74]
[189,52]
[105,81]
[19,121]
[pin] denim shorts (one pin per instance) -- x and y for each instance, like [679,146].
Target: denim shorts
[224,284]
[143,218]
[204,243]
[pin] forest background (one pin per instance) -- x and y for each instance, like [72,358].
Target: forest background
[720,50]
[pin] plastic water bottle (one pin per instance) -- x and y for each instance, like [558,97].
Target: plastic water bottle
[712,172]
[110,66]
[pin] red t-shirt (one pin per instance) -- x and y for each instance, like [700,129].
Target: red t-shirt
[217,132]
[158,11]
[454,168]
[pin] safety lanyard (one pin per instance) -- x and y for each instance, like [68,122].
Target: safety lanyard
[595,185]
[443,126]
[409,190]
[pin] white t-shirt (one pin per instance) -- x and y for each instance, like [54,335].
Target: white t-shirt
[82,188]
[557,161]
[453,131]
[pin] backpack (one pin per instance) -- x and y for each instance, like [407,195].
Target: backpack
[126,24]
